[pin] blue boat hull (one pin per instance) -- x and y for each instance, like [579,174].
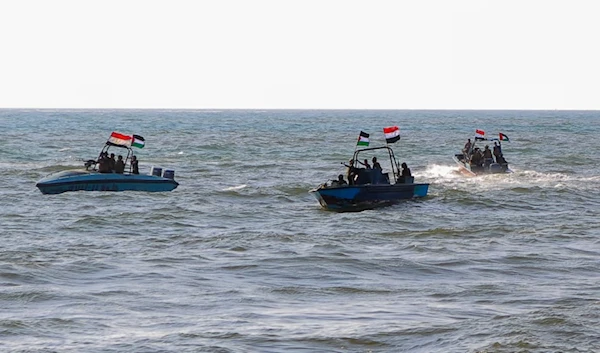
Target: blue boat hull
[92,181]
[362,197]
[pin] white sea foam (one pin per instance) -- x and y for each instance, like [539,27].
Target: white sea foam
[526,242]
[233,188]
[441,171]
[446,176]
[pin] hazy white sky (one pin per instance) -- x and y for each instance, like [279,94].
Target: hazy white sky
[437,54]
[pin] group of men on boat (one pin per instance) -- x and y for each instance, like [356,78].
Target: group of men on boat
[478,158]
[108,164]
[353,173]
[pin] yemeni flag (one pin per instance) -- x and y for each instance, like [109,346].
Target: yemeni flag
[118,139]
[392,134]
[138,141]
[479,135]
[503,137]
[363,139]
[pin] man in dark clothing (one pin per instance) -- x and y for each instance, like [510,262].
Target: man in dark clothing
[487,156]
[119,165]
[487,153]
[467,148]
[376,164]
[366,164]
[351,173]
[477,158]
[103,163]
[497,152]
[405,170]
[340,181]
[134,165]
[112,162]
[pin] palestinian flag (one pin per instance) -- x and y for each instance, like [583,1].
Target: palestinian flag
[392,134]
[363,139]
[503,137]
[119,139]
[138,141]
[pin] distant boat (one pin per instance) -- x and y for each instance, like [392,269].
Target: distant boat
[92,179]
[472,162]
[371,189]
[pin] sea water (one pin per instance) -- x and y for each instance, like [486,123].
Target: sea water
[241,258]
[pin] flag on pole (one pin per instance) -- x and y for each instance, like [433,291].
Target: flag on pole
[119,139]
[503,137]
[479,134]
[138,141]
[363,139]
[392,134]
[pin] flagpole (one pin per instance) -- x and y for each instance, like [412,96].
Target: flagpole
[356,147]
[397,172]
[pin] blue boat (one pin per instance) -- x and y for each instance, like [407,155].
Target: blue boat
[93,178]
[369,188]
[87,180]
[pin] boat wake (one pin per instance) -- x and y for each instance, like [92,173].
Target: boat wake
[234,188]
[449,177]
[441,171]
[557,179]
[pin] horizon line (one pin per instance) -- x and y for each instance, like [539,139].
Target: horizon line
[290,109]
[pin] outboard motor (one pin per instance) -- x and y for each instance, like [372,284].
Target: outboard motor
[156,171]
[169,174]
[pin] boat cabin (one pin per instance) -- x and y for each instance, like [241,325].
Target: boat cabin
[127,159]
[363,176]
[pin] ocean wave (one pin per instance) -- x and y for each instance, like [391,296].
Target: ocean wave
[235,188]
[491,263]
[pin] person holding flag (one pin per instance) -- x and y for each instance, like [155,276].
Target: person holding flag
[498,148]
[497,151]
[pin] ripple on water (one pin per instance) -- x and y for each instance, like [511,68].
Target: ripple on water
[240,257]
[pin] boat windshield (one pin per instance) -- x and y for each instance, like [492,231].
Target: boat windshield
[368,158]
[126,160]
